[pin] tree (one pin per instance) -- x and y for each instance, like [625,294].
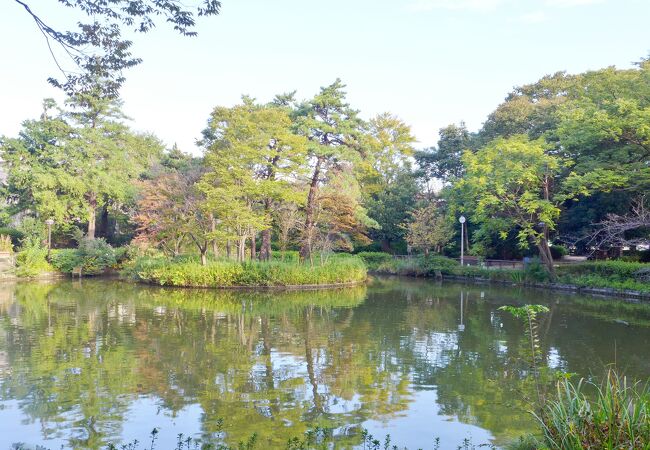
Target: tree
[511,184]
[428,229]
[333,130]
[391,207]
[67,166]
[340,220]
[98,50]
[388,187]
[530,109]
[623,230]
[172,209]
[253,160]
[444,163]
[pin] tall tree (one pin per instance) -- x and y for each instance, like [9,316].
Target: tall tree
[66,166]
[388,187]
[333,130]
[428,229]
[253,159]
[444,162]
[511,182]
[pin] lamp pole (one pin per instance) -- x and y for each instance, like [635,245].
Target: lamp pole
[461,219]
[49,223]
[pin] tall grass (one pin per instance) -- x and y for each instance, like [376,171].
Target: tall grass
[617,418]
[225,273]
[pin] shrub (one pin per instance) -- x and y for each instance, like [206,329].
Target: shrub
[618,417]
[31,262]
[620,270]
[558,251]
[375,259]
[5,244]
[286,256]
[94,256]
[535,272]
[15,235]
[433,263]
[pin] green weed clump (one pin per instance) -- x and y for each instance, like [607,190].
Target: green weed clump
[606,274]
[617,418]
[374,260]
[31,262]
[225,273]
[94,256]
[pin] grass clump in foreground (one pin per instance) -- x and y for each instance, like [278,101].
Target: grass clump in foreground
[617,418]
[226,273]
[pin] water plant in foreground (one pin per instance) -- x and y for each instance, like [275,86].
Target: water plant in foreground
[616,418]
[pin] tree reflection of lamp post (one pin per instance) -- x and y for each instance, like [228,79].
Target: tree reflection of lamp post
[49,223]
[461,219]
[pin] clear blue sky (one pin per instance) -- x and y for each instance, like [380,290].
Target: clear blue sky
[431,62]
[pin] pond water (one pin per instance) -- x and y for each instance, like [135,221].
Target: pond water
[97,361]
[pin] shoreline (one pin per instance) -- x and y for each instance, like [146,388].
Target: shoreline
[601,292]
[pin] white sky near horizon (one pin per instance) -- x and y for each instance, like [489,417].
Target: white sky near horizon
[430,62]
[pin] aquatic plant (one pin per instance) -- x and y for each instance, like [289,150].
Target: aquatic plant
[617,418]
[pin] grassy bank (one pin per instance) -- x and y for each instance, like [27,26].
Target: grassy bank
[225,273]
[617,275]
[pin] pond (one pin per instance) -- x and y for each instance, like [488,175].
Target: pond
[84,363]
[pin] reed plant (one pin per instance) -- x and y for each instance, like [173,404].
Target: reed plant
[617,417]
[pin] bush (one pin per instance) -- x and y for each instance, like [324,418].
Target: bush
[31,262]
[286,256]
[15,235]
[94,256]
[229,273]
[558,251]
[618,417]
[619,270]
[375,259]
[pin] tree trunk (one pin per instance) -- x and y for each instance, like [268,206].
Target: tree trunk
[305,249]
[547,258]
[265,249]
[213,228]
[241,249]
[103,223]
[92,215]
[228,249]
[385,246]
[204,255]
[253,246]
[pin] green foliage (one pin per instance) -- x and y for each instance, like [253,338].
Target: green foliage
[620,275]
[618,417]
[231,274]
[94,256]
[375,259]
[66,165]
[534,272]
[33,232]
[15,234]
[31,262]
[428,229]
[420,266]
[558,251]
[6,245]
[291,256]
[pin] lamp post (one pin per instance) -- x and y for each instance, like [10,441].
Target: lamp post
[49,223]
[461,219]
